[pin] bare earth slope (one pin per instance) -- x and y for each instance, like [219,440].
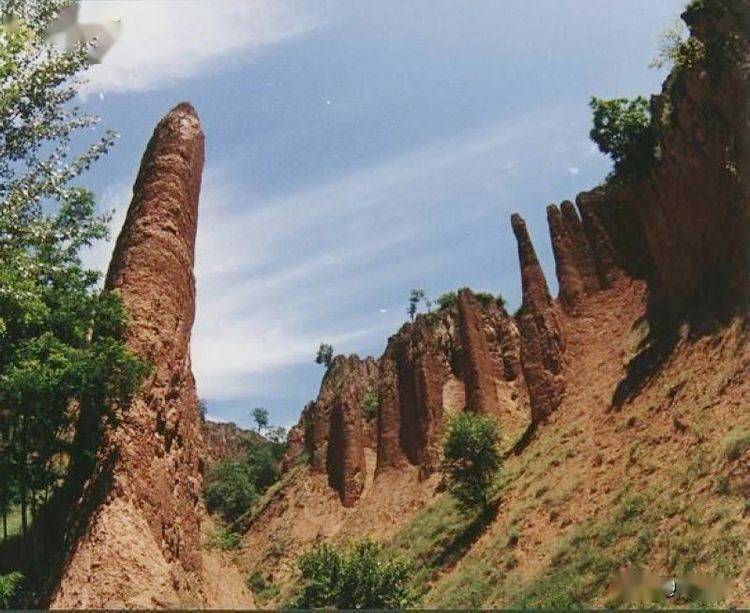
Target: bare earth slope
[625,402]
[660,483]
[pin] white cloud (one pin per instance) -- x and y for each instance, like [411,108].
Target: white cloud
[163,41]
[294,270]
[574,170]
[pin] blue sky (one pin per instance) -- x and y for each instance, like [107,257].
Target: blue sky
[357,150]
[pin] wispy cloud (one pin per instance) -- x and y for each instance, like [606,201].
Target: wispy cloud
[278,275]
[163,41]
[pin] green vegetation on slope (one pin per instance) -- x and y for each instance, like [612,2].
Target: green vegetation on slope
[361,575]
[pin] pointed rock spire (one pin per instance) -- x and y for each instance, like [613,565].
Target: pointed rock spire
[541,338]
[572,289]
[152,456]
[479,382]
[582,250]
[598,238]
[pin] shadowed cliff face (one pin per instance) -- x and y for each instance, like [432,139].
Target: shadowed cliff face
[142,543]
[694,205]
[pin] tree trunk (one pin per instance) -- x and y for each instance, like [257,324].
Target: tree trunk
[24,519]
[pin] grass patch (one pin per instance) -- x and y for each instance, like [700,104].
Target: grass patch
[436,539]
[261,587]
[735,445]
[584,565]
[224,539]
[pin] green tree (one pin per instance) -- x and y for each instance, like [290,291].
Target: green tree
[229,489]
[324,355]
[202,408]
[60,338]
[361,575]
[416,296]
[622,130]
[471,458]
[260,416]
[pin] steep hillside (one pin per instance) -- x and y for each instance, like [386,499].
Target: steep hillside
[623,402]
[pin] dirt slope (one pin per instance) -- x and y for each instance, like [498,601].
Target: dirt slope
[660,483]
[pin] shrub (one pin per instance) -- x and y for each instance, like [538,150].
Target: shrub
[371,403]
[230,489]
[622,130]
[447,301]
[675,49]
[10,585]
[471,458]
[358,576]
[487,300]
[263,464]
[735,445]
[225,539]
[261,587]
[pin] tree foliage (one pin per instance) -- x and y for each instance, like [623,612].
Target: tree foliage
[360,575]
[235,483]
[229,489]
[324,355]
[416,296]
[471,458]
[622,130]
[10,585]
[60,339]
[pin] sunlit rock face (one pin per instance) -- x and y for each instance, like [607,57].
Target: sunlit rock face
[142,545]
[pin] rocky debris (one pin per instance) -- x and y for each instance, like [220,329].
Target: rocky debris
[572,288]
[541,338]
[479,371]
[142,544]
[584,256]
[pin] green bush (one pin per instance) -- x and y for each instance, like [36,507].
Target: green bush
[622,130]
[260,586]
[487,300]
[371,403]
[471,458]
[225,539]
[361,575]
[230,489]
[10,585]
[447,301]
[677,49]
[263,465]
